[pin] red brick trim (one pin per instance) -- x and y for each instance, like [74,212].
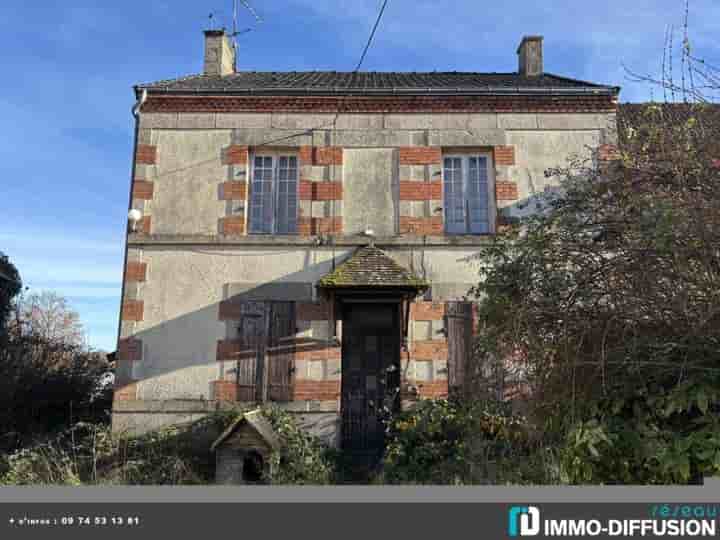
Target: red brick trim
[232,225]
[305,155]
[424,226]
[236,154]
[504,155]
[379,104]
[233,191]
[144,225]
[326,225]
[224,390]
[130,349]
[318,353]
[127,392]
[146,154]
[420,191]
[608,152]
[132,310]
[435,349]
[311,311]
[427,389]
[420,155]
[315,390]
[506,191]
[427,311]
[135,271]
[320,191]
[328,155]
[142,190]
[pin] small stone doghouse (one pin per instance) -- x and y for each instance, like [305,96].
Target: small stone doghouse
[243,451]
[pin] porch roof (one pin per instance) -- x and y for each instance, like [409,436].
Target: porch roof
[370,267]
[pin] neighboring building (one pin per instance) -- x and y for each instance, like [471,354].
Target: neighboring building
[253,274]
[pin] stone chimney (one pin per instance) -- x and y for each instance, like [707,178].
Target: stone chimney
[530,56]
[219,54]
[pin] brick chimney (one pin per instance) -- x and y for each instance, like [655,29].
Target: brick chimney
[219,54]
[530,56]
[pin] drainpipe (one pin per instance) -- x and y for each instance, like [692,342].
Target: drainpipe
[136,114]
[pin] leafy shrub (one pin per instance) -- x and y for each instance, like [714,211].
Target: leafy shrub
[304,459]
[451,442]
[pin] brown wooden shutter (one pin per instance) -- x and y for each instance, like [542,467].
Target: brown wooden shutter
[251,333]
[281,351]
[459,334]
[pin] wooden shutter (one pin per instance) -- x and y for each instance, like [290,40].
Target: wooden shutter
[281,351]
[459,333]
[252,331]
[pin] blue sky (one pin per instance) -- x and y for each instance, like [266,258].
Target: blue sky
[68,69]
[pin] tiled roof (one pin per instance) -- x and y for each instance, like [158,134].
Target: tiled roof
[371,267]
[334,82]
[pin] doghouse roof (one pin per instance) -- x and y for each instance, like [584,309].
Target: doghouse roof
[256,421]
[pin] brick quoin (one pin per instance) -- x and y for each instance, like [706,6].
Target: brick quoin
[431,389]
[230,310]
[232,225]
[427,311]
[504,155]
[236,154]
[424,226]
[318,353]
[132,310]
[320,191]
[386,104]
[144,225]
[129,349]
[304,390]
[233,191]
[608,152]
[313,226]
[328,155]
[420,191]
[305,155]
[506,191]
[419,155]
[146,154]
[142,190]
[127,392]
[311,311]
[225,390]
[435,349]
[135,271]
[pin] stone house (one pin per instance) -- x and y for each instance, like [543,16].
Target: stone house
[308,238]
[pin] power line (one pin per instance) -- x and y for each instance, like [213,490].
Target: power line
[332,124]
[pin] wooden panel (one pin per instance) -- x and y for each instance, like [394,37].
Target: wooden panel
[280,359]
[459,332]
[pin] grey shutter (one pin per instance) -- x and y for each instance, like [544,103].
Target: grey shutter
[287,195]
[477,195]
[261,195]
[252,330]
[454,202]
[459,334]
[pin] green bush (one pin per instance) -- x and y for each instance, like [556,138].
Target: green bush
[452,442]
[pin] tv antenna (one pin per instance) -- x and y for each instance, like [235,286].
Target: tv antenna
[235,31]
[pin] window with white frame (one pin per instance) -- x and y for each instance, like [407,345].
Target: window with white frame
[468,186]
[273,194]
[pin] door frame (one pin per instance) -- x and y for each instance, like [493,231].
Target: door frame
[346,303]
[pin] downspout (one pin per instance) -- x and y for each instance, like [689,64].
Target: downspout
[136,114]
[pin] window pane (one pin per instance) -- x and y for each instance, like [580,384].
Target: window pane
[453,192]
[287,195]
[477,195]
[261,196]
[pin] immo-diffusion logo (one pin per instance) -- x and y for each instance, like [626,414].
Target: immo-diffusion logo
[523,520]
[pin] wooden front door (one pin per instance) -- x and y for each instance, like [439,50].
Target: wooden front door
[370,375]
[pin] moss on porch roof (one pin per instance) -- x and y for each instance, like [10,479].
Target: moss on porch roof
[371,267]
